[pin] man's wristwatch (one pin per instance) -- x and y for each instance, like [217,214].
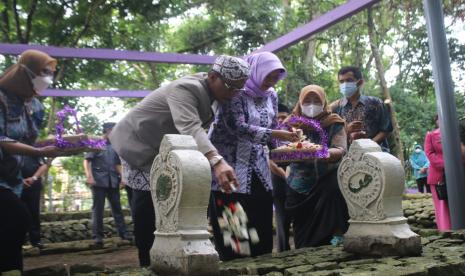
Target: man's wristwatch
[35,178]
[215,160]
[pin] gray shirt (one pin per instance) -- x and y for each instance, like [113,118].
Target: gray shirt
[181,107]
[103,164]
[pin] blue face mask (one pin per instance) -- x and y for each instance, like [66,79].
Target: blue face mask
[348,89]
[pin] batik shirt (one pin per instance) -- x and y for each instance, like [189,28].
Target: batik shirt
[137,179]
[19,122]
[371,111]
[240,132]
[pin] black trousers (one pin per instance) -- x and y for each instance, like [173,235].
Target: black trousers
[15,223]
[282,216]
[144,224]
[98,204]
[421,184]
[259,209]
[31,197]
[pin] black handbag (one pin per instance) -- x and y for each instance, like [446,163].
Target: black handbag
[441,189]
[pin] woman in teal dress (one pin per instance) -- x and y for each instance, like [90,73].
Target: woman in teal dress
[313,196]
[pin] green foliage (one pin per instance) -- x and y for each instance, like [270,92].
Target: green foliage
[73,165]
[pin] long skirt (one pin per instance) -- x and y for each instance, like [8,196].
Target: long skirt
[441,210]
[259,209]
[319,214]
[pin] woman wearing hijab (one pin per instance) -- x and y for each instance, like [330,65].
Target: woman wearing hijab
[19,112]
[420,166]
[313,198]
[241,131]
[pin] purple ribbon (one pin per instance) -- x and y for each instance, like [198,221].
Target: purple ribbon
[94,143]
[303,155]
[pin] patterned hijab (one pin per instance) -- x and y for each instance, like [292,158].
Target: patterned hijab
[326,118]
[16,80]
[262,64]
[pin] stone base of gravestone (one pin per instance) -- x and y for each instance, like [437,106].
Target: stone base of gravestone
[185,253]
[372,183]
[180,182]
[389,237]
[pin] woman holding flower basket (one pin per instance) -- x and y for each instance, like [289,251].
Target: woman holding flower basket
[313,198]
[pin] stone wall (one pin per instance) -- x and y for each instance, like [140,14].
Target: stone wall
[419,210]
[78,229]
[72,226]
[63,216]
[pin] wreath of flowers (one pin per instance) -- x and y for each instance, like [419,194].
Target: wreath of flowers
[300,154]
[94,143]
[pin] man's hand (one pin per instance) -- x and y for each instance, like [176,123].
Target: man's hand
[354,126]
[90,181]
[423,170]
[225,176]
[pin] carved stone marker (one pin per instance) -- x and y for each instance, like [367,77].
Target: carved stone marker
[180,182]
[372,183]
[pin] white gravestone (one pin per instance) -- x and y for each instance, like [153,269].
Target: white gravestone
[180,182]
[372,183]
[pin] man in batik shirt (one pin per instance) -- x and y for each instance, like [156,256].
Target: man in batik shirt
[366,116]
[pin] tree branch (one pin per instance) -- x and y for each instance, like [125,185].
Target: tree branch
[18,24]
[29,19]
[201,45]
[6,22]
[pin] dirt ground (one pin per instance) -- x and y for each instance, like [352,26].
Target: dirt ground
[123,257]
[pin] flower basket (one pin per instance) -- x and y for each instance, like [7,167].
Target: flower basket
[304,150]
[75,143]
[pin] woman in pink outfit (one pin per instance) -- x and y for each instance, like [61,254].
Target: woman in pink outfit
[433,150]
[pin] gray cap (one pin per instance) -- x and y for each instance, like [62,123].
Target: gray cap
[231,68]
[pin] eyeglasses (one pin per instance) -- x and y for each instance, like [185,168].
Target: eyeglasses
[230,86]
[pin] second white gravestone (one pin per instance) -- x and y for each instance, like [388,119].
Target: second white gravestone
[180,181]
[372,183]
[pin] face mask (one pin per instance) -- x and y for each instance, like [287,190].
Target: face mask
[41,83]
[418,150]
[312,110]
[348,89]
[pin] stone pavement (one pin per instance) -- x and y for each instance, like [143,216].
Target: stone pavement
[443,254]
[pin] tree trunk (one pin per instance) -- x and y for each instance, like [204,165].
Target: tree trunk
[310,54]
[396,143]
